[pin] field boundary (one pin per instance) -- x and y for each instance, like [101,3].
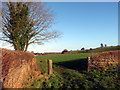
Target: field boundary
[105,60]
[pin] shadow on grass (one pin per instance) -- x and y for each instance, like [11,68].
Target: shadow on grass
[78,64]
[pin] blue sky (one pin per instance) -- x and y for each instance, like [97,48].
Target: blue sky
[82,24]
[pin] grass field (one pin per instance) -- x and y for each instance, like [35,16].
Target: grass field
[70,71]
[71,61]
[64,57]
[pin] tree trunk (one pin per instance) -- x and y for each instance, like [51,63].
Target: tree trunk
[26,47]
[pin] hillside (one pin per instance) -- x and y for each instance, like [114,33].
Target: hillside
[96,50]
[105,49]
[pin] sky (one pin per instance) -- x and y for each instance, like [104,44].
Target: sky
[82,24]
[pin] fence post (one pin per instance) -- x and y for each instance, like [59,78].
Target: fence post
[89,62]
[50,71]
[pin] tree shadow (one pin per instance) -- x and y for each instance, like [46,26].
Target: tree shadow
[78,64]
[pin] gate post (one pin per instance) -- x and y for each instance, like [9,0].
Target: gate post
[89,62]
[50,71]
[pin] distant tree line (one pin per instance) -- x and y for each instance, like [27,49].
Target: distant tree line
[103,45]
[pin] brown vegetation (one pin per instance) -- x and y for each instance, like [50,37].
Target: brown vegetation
[17,68]
[105,60]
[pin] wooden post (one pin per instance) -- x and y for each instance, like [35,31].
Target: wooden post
[50,71]
[89,62]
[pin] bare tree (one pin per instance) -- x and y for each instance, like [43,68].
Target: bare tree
[26,23]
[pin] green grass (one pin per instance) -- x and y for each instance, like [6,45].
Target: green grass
[35,83]
[63,60]
[64,57]
[73,79]
[42,64]
[67,73]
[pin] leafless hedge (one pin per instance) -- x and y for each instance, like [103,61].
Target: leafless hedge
[105,60]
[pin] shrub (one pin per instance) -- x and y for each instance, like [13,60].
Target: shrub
[82,48]
[65,50]
[90,48]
